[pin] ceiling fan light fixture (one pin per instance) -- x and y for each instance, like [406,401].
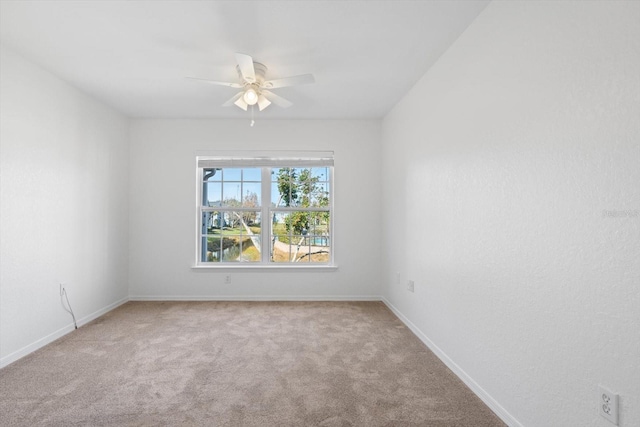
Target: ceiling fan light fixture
[254,88]
[241,104]
[263,102]
[250,96]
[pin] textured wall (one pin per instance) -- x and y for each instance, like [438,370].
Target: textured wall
[64,206]
[512,197]
[163,215]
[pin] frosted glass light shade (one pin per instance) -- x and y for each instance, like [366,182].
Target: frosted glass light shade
[250,96]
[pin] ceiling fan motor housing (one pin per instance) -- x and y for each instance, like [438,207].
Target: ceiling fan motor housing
[260,72]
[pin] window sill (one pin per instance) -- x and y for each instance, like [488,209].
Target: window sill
[264,268]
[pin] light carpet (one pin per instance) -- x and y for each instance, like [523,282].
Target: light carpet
[239,364]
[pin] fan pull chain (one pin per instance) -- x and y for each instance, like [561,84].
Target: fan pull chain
[253,122]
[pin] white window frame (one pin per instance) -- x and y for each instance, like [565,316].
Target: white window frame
[266,161]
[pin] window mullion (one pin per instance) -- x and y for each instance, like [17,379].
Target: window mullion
[266,222]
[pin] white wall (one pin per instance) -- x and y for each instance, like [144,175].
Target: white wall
[512,195]
[63,204]
[163,194]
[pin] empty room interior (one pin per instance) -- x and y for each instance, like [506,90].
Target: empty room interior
[332,213]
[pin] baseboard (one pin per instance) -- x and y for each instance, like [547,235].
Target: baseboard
[255,298]
[102,311]
[19,354]
[474,386]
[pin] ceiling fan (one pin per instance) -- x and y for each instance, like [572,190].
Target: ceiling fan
[254,89]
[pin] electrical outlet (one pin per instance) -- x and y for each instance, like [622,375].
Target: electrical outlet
[608,404]
[227,279]
[410,286]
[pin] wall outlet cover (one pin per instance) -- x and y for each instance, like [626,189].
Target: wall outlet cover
[608,404]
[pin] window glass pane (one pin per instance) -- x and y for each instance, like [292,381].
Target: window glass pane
[275,195]
[251,197]
[281,194]
[208,222]
[252,174]
[211,252]
[318,224]
[251,222]
[214,174]
[231,194]
[229,222]
[286,187]
[304,175]
[320,195]
[232,174]
[303,253]
[298,172]
[281,252]
[305,188]
[278,227]
[231,249]
[320,174]
[213,193]
[319,242]
[298,248]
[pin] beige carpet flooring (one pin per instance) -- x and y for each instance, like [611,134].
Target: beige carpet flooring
[239,364]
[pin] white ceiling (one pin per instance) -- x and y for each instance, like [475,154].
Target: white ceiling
[135,55]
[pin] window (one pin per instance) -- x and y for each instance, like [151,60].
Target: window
[268,210]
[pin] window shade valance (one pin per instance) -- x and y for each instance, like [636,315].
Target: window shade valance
[315,159]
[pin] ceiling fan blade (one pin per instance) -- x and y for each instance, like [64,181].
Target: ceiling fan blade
[232,101]
[240,103]
[263,102]
[214,82]
[278,100]
[245,63]
[302,79]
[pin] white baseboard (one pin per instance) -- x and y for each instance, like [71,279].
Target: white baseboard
[19,354]
[102,311]
[474,386]
[10,358]
[255,298]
